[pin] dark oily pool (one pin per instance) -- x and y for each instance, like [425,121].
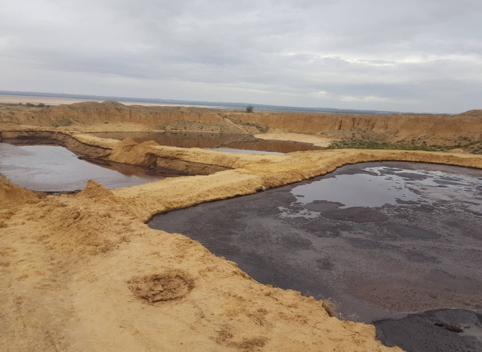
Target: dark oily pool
[418,248]
[56,169]
[434,331]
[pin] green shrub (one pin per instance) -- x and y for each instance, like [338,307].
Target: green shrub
[369,144]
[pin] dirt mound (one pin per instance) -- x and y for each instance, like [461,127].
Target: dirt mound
[127,142]
[13,194]
[129,152]
[95,191]
[161,287]
[477,112]
[458,150]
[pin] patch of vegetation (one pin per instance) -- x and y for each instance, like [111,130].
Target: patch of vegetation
[369,144]
[10,104]
[260,128]
[331,306]
[39,105]
[474,148]
[62,123]
[250,109]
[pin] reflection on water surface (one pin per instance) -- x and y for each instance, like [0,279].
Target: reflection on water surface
[56,169]
[380,185]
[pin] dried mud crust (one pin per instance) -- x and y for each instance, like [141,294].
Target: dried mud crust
[156,288]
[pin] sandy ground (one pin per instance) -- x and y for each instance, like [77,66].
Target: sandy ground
[83,272]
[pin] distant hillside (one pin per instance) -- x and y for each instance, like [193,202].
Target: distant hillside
[225,105]
[413,129]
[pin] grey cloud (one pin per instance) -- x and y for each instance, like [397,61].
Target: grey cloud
[347,50]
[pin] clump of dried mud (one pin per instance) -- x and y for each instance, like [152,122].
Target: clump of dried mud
[161,287]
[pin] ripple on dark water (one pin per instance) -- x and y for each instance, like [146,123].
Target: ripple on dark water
[434,331]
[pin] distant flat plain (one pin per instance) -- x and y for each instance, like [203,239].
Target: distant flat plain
[16,99]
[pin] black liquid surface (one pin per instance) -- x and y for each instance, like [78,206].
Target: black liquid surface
[382,240]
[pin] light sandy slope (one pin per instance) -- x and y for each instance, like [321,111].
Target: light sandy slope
[297,137]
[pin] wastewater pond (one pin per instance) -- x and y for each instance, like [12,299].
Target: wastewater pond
[398,244]
[48,168]
[237,143]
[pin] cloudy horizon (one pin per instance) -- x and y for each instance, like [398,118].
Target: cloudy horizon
[416,55]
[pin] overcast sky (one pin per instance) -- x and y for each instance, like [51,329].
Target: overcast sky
[410,55]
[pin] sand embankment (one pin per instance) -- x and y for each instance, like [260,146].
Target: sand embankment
[419,129]
[11,194]
[83,272]
[113,116]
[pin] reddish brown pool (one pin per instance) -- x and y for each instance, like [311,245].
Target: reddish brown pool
[56,169]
